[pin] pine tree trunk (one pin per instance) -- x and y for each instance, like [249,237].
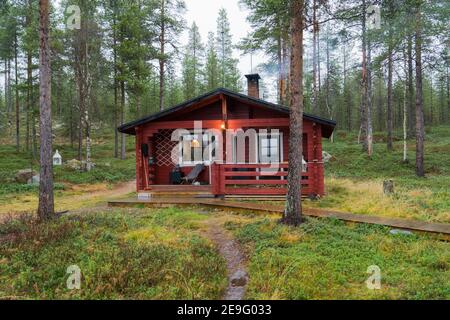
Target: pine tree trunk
[86,97]
[420,130]
[29,102]
[448,86]
[405,126]
[369,100]
[6,85]
[280,69]
[29,79]
[116,89]
[17,94]
[72,134]
[390,97]
[327,84]
[411,105]
[122,118]
[33,123]
[364,84]
[346,95]
[46,201]
[162,59]
[80,118]
[8,90]
[293,211]
[285,64]
[431,99]
[315,30]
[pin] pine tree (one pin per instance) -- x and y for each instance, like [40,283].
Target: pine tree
[168,22]
[229,76]
[293,211]
[212,65]
[46,201]
[193,82]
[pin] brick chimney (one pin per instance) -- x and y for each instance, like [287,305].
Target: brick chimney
[253,85]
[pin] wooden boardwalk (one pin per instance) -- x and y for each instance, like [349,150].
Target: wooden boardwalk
[265,208]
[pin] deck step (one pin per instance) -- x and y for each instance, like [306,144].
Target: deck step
[158,195]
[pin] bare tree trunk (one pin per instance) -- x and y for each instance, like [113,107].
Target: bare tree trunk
[420,130]
[411,107]
[81,101]
[29,78]
[364,84]
[72,138]
[33,123]
[116,89]
[280,69]
[46,200]
[6,85]
[380,120]
[346,95]
[162,59]
[285,88]
[327,84]
[315,30]
[369,100]
[431,99]
[29,102]
[293,212]
[405,125]
[122,118]
[448,85]
[87,96]
[17,94]
[8,91]
[318,62]
[390,96]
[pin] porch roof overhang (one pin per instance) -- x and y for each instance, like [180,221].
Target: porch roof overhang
[130,128]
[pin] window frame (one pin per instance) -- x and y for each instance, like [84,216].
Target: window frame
[205,142]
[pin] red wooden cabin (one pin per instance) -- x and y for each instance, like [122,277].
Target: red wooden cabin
[241,140]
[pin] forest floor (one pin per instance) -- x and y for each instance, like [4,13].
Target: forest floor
[187,253]
[353,181]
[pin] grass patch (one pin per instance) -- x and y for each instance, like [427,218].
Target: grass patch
[107,168]
[326,259]
[132,254]
[354,181]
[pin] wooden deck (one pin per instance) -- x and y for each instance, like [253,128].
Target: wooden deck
[407,224]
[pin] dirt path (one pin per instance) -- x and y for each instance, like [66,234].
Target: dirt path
[229,249]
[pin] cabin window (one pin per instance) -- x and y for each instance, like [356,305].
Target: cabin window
[197,149]
[270,148]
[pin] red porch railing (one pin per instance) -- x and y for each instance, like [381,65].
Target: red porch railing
[256,179]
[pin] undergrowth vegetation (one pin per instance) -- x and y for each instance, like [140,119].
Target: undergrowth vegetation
[127,254]
[327,259]
[354,182]
[107,168]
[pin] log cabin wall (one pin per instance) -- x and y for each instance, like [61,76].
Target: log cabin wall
[161,144]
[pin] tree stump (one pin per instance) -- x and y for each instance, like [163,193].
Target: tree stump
[388,187]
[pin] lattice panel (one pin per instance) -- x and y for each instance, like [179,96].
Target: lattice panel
[164,146]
